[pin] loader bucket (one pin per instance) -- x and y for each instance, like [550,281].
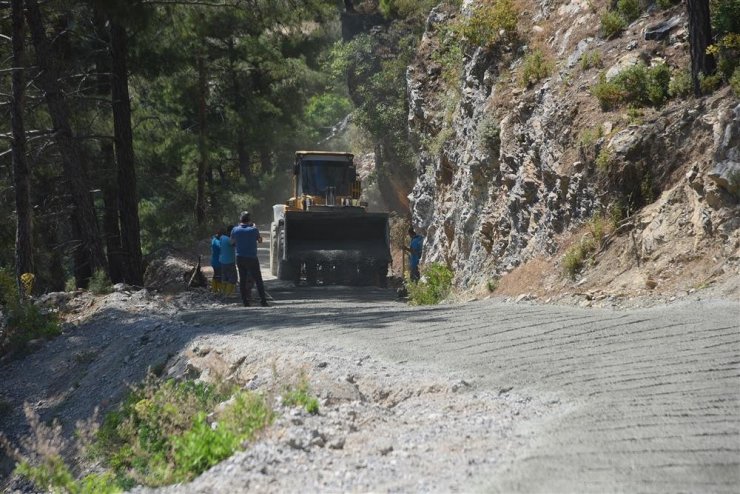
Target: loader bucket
[350,244]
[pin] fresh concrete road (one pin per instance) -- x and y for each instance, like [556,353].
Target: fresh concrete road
[648,400]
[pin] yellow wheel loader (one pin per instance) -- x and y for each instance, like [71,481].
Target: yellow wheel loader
[324,234]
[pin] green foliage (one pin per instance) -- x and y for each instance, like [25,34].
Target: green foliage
[636,86]
[492,285]
[735,82]
[488,21]
[599,227]
[667,4]
[590,136]
[535,67]
[403,9]
[591,59]
[160,434]
[635,116]
[23,320]
[53,475]
[300,395]
[680,85]
[709,83]
[434,285]
[100,284]
[630,10]
[612,24]
[489,135]
[725,17]
[605,159]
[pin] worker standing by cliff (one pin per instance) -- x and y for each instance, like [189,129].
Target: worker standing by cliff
[245,237]
[414,250]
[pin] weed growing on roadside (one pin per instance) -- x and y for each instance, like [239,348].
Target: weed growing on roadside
[300,395]
[434,285]
[492,285]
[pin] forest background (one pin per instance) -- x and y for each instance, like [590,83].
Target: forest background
[140,124]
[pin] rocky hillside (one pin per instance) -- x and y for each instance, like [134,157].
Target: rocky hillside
[529,183]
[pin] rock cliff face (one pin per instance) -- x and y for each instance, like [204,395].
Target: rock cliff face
[508,172]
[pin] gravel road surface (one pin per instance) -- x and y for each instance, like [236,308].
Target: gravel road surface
[639,400]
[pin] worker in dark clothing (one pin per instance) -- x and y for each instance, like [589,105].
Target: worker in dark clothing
[414,250]
[245,237]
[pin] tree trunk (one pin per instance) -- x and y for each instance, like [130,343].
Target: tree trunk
[90,251]
[21,178]
[700,37]
[127,195]
[200,197]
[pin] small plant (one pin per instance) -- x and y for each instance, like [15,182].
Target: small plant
[604,160]
[434,285]
[489,135]
[635,116]
[492,285]
[612,24]
[591,59]
[630,10]
[535,67]
[301,396]
[576,256]
[100,284]
[589,137]
[735,82]
[709,83]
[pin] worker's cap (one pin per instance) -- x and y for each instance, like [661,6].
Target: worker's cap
[244,218]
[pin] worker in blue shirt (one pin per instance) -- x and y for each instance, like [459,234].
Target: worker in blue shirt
[215,264]
[245,237]
[414,250]
[228,263]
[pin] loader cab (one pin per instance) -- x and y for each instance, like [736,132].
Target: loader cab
[329,179]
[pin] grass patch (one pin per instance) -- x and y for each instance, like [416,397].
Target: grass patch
[612,24]
[434,285]
[680,85]
[591,59]
[599,227]
[604,159]
[535,67]
[630,10]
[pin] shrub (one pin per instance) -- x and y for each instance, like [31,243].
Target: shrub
[434,286]
[680,85]
[667,4]
[100,284]
[535,67]
[735,82]
[612,24]
[709,83]
[591,59]
[489,135]
[575,257]
[609,93]
[725,17]
[23,320]
[629,9]
[637,86]
[488,20]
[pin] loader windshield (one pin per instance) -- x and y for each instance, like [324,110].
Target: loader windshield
[317,176]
